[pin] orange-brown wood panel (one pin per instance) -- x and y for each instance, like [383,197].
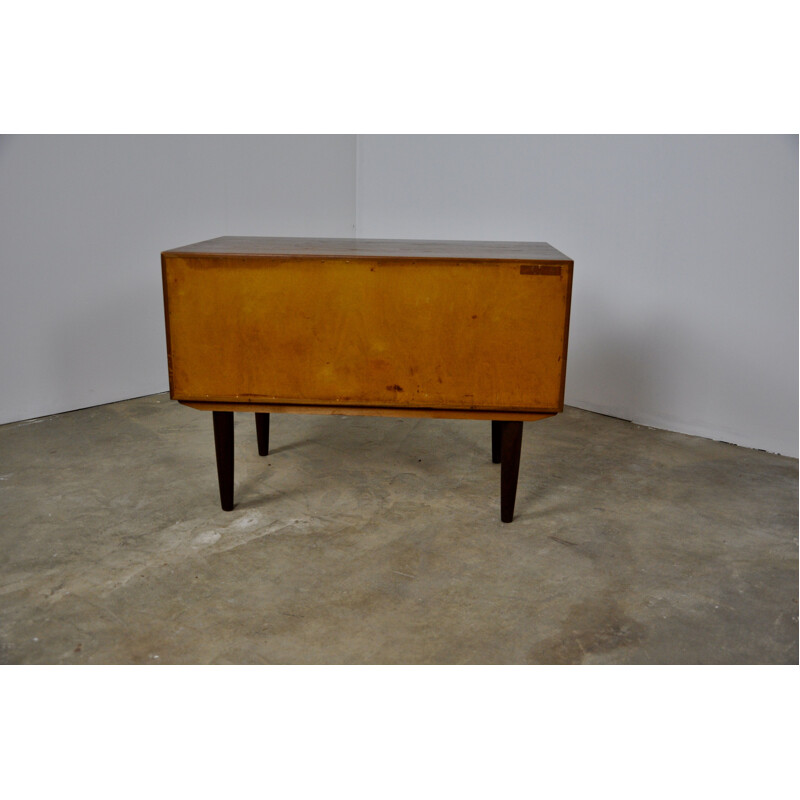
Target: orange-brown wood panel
[427,333]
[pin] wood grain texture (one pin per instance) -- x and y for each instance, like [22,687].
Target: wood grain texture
[391,332]
[372,248]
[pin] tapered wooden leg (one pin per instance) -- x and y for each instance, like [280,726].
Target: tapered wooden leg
[262,432]
[511,446]
[223,442]
[497,435]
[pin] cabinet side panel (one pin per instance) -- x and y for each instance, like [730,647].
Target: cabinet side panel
[164,285]
[402,333]
[567,307]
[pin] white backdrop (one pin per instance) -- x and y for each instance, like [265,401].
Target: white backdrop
[685,290]
[686,281]
[83,221]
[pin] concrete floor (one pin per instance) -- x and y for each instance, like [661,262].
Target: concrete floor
[367,540]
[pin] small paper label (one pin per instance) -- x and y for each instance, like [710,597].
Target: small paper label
[529,269]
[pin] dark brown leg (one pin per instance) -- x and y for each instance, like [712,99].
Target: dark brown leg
[223,442]
[509,468]
[497,435]
[262,432]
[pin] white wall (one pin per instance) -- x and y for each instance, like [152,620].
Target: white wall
[83,220]
[685,291]
[686,261]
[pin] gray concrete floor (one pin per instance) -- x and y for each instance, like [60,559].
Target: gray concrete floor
[375,540]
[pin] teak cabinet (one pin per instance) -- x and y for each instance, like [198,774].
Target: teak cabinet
[468,330]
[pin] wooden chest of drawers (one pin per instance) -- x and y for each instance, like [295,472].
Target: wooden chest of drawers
[474,330]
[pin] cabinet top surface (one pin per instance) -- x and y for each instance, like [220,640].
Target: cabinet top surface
[370,248]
